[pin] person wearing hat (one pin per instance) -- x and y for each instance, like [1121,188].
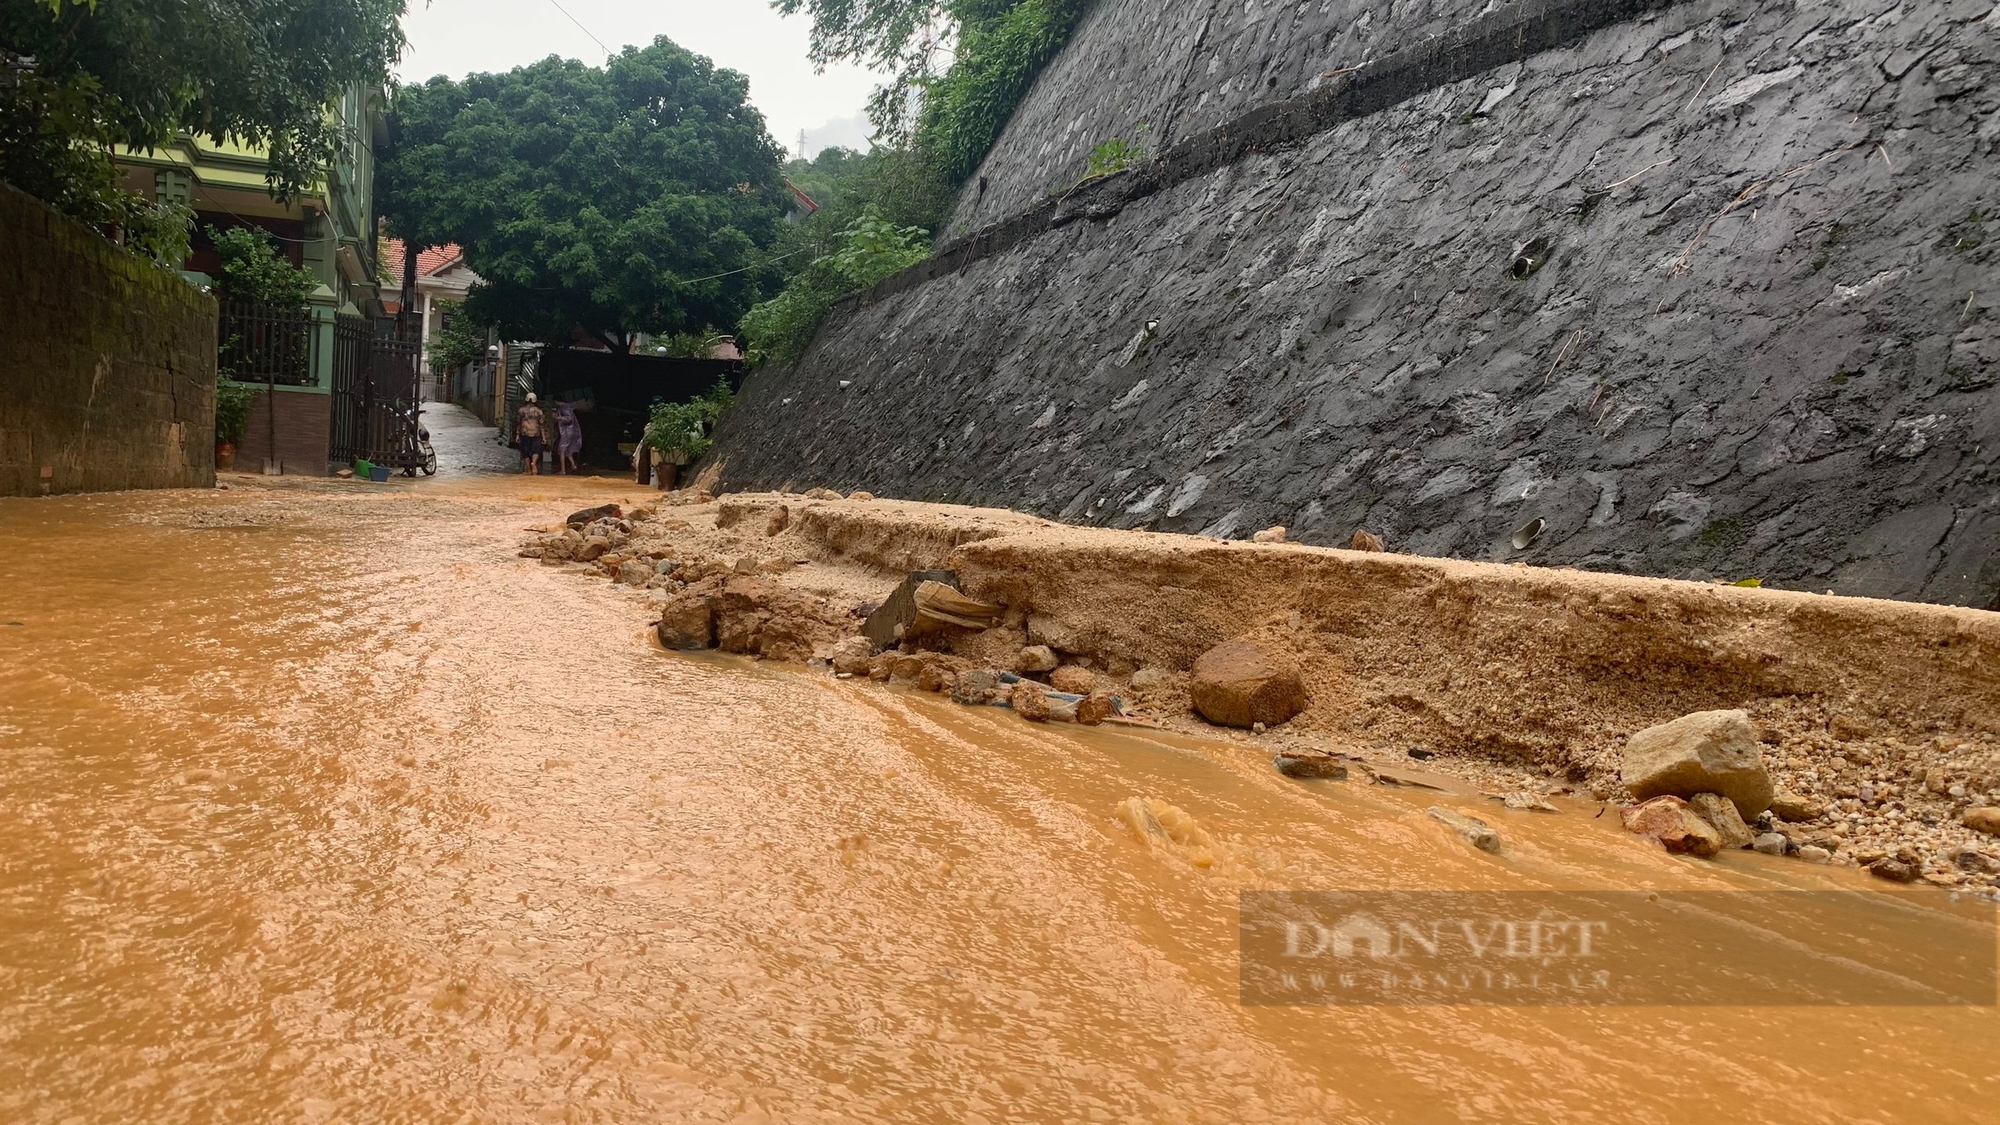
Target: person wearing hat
[528,428]
[642,457]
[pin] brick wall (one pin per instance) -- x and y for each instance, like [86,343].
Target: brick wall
[303,425]
[108,377]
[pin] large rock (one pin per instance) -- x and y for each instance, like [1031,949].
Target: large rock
[1031,702]
[1706,752]
[1675,824]
[853,655]
[1074,679]
[1985,819]
[1721,815]
[1244,682]
[687,623]
[1036,658]
[898,612]
[1794,809]
[1094,709]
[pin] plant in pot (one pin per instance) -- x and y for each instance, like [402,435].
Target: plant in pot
[679,431]
[232,417]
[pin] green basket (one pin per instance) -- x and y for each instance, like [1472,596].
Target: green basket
[363,468]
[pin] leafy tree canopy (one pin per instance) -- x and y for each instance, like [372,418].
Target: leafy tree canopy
[253,270]
[78,76]
[639,196]
[955,68]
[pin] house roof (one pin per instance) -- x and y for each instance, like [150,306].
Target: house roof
[430,262]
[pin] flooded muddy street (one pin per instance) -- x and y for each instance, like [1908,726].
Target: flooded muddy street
[322,806]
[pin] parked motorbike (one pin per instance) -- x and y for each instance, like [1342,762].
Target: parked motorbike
[414,453]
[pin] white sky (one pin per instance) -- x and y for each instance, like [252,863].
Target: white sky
[459,37]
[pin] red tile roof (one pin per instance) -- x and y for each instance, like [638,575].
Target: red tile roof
[432,261]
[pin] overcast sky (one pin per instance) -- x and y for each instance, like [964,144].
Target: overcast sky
[458,37]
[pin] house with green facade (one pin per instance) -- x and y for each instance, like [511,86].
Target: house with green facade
[329,229]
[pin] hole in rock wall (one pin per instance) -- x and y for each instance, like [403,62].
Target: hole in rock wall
[1529,258]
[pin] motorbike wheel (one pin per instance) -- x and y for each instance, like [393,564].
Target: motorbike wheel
[430,462]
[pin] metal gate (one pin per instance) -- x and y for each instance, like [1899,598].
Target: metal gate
[375,390]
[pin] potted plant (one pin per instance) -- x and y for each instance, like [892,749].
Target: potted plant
[679,431]
[232,417]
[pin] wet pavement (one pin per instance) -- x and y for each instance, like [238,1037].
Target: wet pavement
[322,806]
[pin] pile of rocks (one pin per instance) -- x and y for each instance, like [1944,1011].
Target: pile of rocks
[1703,786]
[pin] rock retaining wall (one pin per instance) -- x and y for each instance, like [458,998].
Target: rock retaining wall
[1684,289]
[107,379]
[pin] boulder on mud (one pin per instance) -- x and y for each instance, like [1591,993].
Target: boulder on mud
[1721,815]
[781,518]
[1706,752]
[1094,709]
[1244,682]
[1675,824]
[1471,829]
[1310,763]
[634,572]
[687,623]
[1152,679]
[852,656]
[976,688]
[935,677]
[593,549]
[1036,658]
[1073,679]
[1985,819]
[822,494]
[857,495]
[1794,809]
[898,612]
[592,515]
[1896,869]
[1771,843]
[1269,535]
[1364,541]
[1031,702]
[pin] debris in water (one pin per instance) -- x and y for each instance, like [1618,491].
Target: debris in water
[1157,824]
[1476,832]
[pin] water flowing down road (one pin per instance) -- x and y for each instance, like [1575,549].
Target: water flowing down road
[321,806]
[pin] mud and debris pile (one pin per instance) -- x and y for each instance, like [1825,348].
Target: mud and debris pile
[1846,731]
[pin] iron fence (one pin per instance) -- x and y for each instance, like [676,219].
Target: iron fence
[265,344]
[376,390]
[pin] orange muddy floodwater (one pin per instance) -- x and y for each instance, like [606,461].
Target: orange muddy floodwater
[318,805]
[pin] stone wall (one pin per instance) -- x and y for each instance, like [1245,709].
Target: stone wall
[107,380]
[1705,289]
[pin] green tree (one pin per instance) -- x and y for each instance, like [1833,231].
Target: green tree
[80,76]
[779,330]
[253,270]
[640,196]
[956,68]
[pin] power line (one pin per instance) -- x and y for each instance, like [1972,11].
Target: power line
[580,27]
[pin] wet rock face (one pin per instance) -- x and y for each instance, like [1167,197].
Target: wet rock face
[1241,683]
[1539,293]
[1706,752]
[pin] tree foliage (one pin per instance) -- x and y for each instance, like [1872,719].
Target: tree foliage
[457,343]
[639,196]
[79,76]
[871,248]
[253,270]
[955,68]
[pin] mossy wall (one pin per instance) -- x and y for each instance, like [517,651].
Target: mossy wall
[107,376]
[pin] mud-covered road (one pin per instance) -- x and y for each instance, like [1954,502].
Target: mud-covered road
[317,804]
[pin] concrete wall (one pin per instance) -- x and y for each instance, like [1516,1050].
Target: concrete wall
[107,376]
[1760,335]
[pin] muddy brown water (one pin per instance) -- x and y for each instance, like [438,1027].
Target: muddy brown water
[316,805]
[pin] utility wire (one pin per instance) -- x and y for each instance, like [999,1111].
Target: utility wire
[579,25]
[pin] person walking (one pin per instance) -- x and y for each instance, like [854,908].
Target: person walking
[569,437]
[642,457]
[528,425]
